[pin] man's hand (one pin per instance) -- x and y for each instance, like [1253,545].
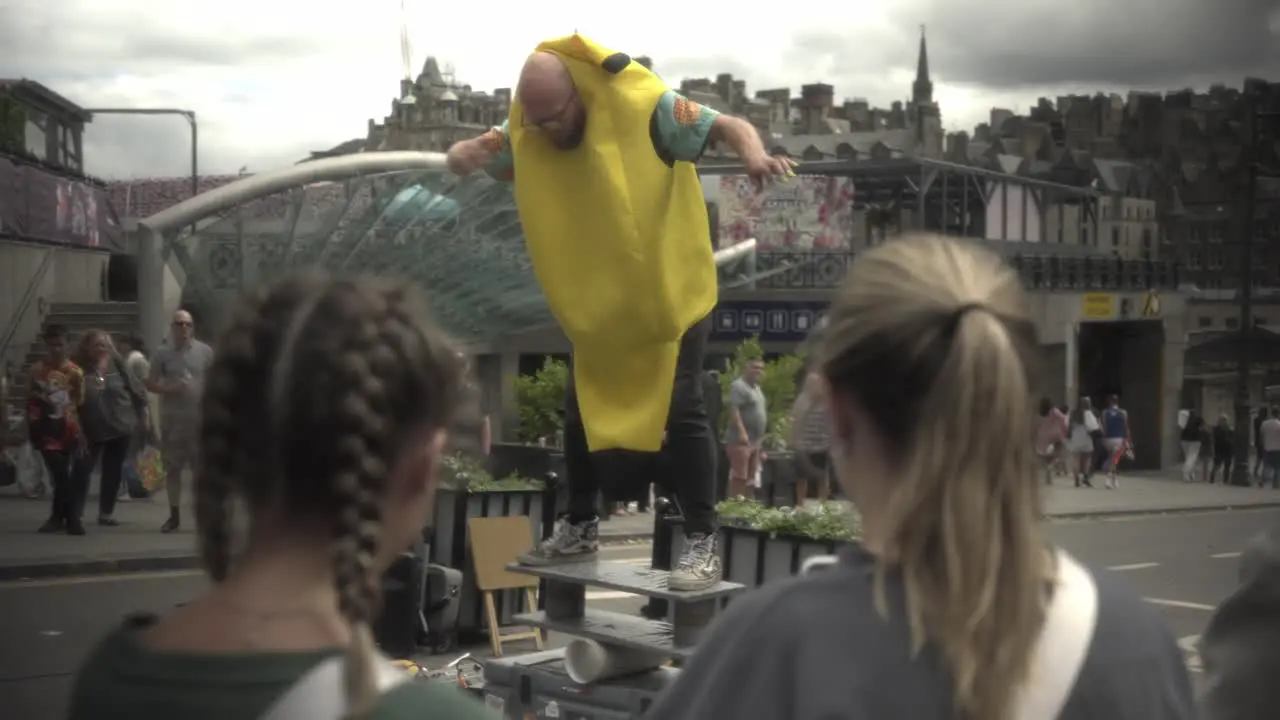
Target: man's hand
[471,155]
[765,168]
[743,138]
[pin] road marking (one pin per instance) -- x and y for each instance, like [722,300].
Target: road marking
[1134,566]
[1180,604]
[1220,556]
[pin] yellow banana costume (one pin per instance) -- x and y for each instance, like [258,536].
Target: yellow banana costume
[620,244]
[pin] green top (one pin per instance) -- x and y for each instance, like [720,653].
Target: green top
[122,680]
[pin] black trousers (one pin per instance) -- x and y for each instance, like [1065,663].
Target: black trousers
[112,454]
[1224,460]
[68,496]
[690,443]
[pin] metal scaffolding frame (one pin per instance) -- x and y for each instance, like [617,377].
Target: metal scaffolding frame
[954,197]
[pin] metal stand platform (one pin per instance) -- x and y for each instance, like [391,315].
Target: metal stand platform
[564,609]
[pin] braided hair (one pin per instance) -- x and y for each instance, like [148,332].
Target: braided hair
[318,387]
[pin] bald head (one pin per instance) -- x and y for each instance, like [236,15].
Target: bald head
[549,100]
[545,84]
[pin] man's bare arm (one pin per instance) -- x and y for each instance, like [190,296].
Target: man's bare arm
[740,135]
[491,151]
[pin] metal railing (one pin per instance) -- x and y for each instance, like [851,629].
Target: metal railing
[20,314]
[823,269]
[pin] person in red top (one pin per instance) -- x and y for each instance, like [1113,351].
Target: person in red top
[53,421]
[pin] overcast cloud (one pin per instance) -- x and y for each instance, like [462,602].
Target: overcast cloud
[271,80]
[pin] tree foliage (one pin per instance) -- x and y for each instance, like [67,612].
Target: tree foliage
[778,385]
[539,400]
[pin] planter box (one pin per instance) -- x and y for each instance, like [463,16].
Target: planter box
[449,545]
[531,461]
[754,558]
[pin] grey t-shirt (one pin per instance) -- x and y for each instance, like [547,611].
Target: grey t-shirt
[113,402]
[814,648]
[749,401]
[189,364]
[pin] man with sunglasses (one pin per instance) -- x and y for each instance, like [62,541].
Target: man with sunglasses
[177,376]
[601,155]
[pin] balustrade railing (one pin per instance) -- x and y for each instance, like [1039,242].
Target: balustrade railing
[822,269]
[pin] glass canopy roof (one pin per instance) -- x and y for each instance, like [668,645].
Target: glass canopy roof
[461,239]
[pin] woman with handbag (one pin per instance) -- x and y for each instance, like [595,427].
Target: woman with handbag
[1081,441]
[113,413]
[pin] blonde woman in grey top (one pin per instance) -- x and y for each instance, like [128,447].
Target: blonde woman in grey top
[953,604]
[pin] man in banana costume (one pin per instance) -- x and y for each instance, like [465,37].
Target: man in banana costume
[601,154]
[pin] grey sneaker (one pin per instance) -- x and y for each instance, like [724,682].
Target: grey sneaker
[569,543]
[699,566]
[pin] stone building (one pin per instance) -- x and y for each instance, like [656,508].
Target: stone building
[434,111]
[814,127]
[1169,165]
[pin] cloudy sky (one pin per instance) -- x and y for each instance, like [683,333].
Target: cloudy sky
[271,80]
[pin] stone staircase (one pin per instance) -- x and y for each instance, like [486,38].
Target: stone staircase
[117,318]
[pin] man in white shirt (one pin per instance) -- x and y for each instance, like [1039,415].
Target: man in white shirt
[1271,450]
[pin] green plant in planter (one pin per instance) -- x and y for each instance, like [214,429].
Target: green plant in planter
[826,521]
[539,399]
[461,471]
[778,385]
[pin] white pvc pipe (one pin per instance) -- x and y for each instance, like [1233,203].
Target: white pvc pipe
[724,256]
[587,661]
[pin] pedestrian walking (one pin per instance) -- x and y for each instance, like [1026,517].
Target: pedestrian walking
[113,416]
[1080,441]
[1259,455]
[1115,438]
[1191,440]
[1060,462]
[810,425]
[1204,462]
[53,424]
[1223,449]
[748,422]
[1271,449]
[177,376]
[1050,434]
[940,610]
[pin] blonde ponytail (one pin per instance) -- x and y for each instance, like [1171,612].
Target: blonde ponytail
[945,325]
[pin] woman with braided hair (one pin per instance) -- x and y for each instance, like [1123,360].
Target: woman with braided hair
[323,416]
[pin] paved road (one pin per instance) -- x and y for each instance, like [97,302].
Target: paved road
[1185,564]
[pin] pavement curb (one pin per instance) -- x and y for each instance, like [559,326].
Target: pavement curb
[1188,510]
[97,566]
[113,566]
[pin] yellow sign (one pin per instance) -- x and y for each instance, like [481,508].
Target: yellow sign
[1151,304]
[1098,306]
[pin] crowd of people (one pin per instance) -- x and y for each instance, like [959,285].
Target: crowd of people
[326,414]
[1081,442]
[88,407]
[97,407]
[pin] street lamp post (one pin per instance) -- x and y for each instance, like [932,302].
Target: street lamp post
[1246,236]
[149,245]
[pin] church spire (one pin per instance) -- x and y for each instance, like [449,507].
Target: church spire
[922,88]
